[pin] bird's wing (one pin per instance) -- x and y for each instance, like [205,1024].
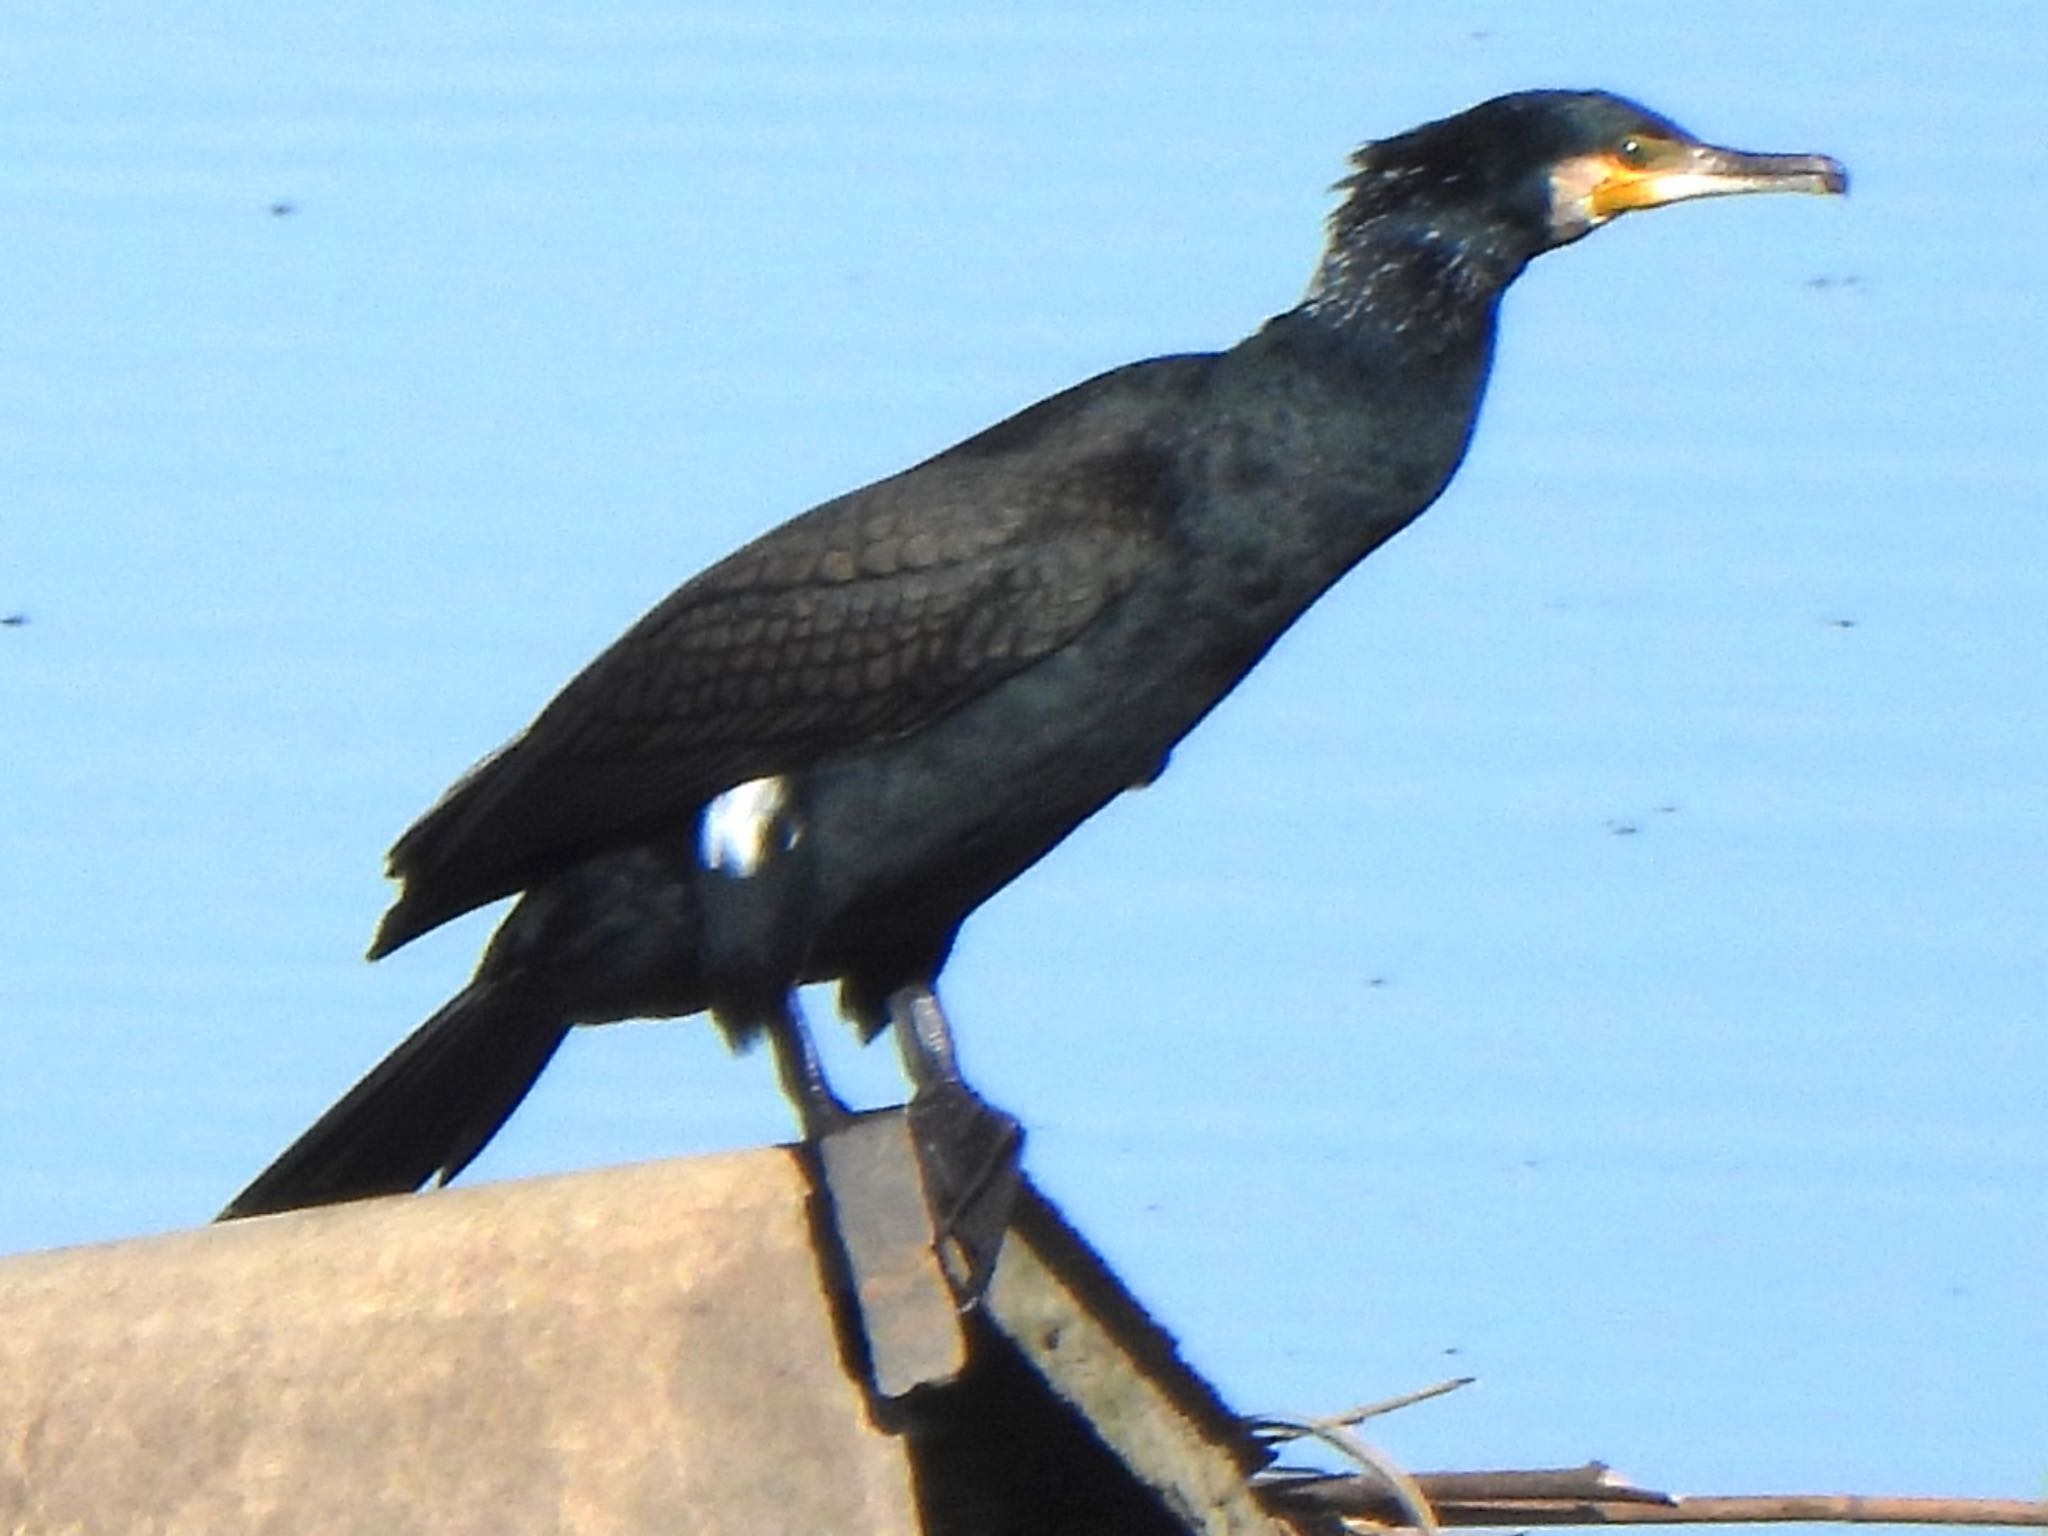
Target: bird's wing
[859,621]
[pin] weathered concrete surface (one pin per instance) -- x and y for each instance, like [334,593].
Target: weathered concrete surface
[637,1350]
[641,1350]
[883,1221]
[1089,1339]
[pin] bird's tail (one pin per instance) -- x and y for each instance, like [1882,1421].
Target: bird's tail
[424,1110]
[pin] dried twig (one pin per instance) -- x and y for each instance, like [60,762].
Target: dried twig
[1390,1484]
[1593,1495]
[1366,1411]
[1840,1509]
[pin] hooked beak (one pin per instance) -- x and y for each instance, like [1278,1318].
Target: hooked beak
[1588,190]
[1702,170]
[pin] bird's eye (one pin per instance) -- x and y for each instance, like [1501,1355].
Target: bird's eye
[1633,153]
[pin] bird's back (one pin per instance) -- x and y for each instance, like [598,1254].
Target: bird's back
[858,622]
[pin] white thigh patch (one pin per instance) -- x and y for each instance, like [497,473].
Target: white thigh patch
[744,827]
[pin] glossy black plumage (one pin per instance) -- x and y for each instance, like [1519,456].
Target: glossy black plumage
[946,672]
[856,623]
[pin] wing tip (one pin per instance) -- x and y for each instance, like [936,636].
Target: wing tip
[399,926]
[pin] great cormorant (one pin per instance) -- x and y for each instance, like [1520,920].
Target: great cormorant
[815,759]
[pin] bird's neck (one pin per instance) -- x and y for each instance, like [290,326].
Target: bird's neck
[1425,283]
[1339,422]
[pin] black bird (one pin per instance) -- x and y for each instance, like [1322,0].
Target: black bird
[815,759]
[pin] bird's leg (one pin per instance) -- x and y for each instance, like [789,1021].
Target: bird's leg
[967,1149]
[926,1040]
[819,1109]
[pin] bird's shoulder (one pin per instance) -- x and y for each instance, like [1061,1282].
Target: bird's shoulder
[870,611]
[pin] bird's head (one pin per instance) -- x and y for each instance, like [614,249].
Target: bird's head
[1612,157]
[1528,172]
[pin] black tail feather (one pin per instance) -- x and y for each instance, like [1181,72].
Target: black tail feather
[426,1109]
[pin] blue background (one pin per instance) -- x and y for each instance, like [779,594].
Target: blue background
[1604,949]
